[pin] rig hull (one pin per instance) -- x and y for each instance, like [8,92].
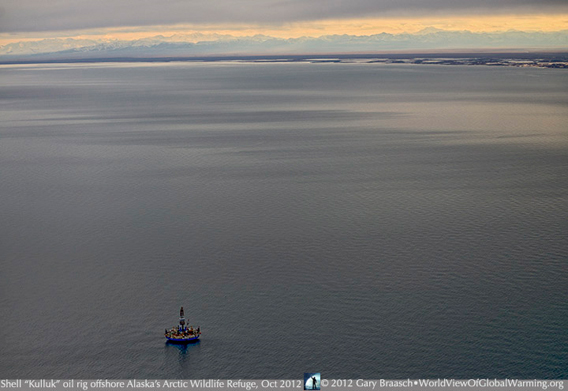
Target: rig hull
[183,340]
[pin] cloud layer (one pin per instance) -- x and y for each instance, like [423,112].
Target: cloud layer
[55,15]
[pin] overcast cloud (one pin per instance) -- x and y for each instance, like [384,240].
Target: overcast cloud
[42,15]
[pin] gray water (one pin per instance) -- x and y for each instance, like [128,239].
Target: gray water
[358,220]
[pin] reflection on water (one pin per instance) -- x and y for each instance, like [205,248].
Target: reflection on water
[180,352]
[181,359]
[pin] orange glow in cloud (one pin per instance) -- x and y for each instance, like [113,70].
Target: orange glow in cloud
[545,23]
[363,26]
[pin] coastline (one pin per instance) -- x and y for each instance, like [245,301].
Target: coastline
[505,59]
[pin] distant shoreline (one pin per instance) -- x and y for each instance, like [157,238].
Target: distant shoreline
[515,59]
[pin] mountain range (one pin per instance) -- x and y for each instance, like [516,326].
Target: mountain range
[192,45]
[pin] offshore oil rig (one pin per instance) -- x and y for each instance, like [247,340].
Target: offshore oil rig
[182,333]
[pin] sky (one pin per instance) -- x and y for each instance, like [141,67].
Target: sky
[34,20]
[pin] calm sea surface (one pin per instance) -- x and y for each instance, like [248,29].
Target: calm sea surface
[358,220]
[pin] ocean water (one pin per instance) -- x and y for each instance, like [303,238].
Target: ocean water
[358,220]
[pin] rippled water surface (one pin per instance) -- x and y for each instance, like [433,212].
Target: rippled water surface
[358,220]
